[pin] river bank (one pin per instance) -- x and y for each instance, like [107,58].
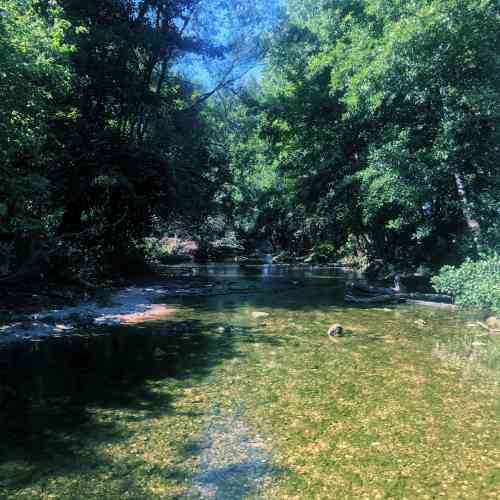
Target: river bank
[114,306]
[51,309]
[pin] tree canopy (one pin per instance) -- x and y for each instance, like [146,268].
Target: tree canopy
[353,126]
[382,117]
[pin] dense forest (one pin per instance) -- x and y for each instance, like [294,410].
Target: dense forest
[349,129]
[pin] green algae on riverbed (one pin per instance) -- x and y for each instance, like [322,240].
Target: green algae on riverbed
[394,410]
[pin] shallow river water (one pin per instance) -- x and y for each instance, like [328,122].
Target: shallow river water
[241,394]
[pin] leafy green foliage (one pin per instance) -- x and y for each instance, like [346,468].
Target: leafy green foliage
[473,284]
[383,121]
[99,136]
[33,72]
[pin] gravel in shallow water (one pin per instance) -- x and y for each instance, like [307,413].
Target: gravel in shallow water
[233,463]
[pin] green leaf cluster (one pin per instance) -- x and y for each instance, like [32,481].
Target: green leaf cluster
[475,283]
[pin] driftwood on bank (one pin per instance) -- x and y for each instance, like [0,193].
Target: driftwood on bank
[371,290]
[427,297]
[375,290]
[361,293]
[376,299]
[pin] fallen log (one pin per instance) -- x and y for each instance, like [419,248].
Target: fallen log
[372,290]
[377,299]
[427,297]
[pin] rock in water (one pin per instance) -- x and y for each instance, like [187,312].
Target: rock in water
[335,331]
[493,323]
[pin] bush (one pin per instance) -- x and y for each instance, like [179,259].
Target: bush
[154,250]
[328,250]
[473,284]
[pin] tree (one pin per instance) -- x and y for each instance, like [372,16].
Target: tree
[34,72]
[103,136]
[383,115]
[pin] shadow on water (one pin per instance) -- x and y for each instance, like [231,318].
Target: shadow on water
[49,391]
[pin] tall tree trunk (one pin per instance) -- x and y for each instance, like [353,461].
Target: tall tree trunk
[472,223]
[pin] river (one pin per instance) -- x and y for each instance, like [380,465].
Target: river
[241,394]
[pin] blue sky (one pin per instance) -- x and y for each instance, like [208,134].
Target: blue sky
[237,25]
